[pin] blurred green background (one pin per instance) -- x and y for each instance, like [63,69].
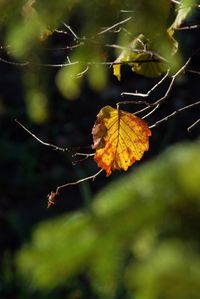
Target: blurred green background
[132,235]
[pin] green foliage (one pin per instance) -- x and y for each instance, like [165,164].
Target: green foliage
[141,233]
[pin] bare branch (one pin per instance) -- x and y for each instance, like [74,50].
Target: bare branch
[162,99]
[79,75]
[173,114]
[92,177]
[175,2]
[61,32]
[189,27]
[14,63]
[113,26]
[70,29]
[55,147]
[194,72]
[152,111]
[190,128]
[144,95]
[54,65]
[153,54]
[179,3]
[126,11]
[26,63]
[132,102]
[83,155]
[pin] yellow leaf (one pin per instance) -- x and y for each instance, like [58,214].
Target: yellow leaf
[120,138]
[139,56]
[117,71]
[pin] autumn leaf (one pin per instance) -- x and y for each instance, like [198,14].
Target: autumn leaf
[120,139]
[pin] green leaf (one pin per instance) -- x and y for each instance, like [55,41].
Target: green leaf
[140,49]
[184,11]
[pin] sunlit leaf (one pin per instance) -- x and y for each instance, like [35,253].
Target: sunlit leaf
[184,10]
[120,138]
[141,58]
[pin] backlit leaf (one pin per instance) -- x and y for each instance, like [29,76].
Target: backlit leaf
[184,10]
[141,58]
[120,138]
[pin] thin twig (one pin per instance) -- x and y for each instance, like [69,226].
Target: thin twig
[132,102]
[163,98]
[194,72]
[79,75]
[55,147]
[179,3]
[126,11]
[61,31]
[54,65]
[176,2]
[172,82]
[85,157]
[144,95]
[153,54]
[26,63]
[189,27]
[113,26]
[190,128]
[92,177]
[173,114]
[70,29]
[82,154]
[149,113]
[14,63]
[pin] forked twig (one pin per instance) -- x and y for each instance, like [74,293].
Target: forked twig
[144,95]
[163,98]
[158,102]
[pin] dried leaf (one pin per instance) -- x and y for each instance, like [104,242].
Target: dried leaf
[120,138]
[52,197]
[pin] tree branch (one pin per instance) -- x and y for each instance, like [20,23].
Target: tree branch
[55,147]
[175,113]
[190,128]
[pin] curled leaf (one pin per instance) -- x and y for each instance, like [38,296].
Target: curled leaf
[52,197]
[120,139]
